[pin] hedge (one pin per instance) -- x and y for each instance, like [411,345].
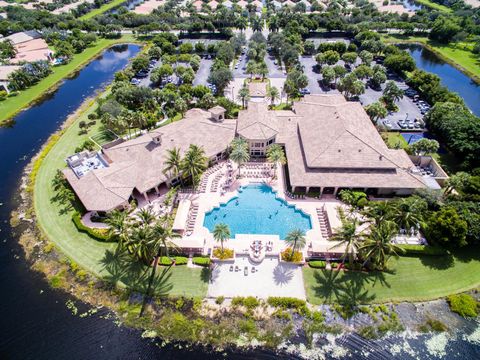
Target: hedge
[201,261]
[286,302]
[99,234]
[410,250]
[179,260]
[317,264]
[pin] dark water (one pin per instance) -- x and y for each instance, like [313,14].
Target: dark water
[412,5]
[453,79]
[34,321]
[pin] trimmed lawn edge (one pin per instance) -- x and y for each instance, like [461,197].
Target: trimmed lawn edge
[49,84]
[449,60]
[102,9]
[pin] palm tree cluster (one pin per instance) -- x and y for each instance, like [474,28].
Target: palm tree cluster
[191,166]
[381,222]
[276,155]
[143,236]
[239,152]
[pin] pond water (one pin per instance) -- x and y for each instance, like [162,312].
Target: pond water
[453,79]
[36,324]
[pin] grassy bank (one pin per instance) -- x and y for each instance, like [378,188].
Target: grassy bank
[411,279]
[55,221]
[434,5]
[11,106]
[460,56]
[102,9]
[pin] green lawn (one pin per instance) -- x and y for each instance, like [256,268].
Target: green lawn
[102,9]
[434,5]
[11,106]
[55,220]
[103,137]
[395,140]
[459,55]
[412,279]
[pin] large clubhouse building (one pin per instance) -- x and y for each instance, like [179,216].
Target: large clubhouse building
[330,144]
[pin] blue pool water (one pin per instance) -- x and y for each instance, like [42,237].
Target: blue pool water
[257,210]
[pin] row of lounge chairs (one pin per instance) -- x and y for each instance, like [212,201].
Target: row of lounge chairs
[206,175]
[192,217]
[216,180]
[293,196]
[324,223]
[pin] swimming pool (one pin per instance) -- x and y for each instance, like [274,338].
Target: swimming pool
[257,210]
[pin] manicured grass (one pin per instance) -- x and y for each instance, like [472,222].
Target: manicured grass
[411,279]
[395,140]
[103,137]
[55,220]
[102,9]
[11,106]
[433,5]
[459,55]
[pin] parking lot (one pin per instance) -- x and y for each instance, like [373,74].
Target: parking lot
[203,71]
[407,109]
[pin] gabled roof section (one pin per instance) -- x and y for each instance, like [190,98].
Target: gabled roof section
[257,122]
[339,134]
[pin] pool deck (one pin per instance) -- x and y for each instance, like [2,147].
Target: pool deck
[208,200]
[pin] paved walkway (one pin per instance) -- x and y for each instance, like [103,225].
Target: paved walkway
[271,278]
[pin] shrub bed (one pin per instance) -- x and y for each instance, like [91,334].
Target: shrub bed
[463,304]
[223,254]
[288,303]
[317,264]
[99,234]
[249,302]
[179,260]
[201,261]
[287,256]
[410,250]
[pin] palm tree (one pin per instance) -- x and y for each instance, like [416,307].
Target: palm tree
[348,235]
[275,155]
[378,212]
[273,94]
[146,216]
[118,226]
[221,233]
[194,163]
[296,240]
[141,243]
[378,247]
[163,235]
[173,163]
[243,95]
[239,142]
[251,68]
[239,155]
[407,213]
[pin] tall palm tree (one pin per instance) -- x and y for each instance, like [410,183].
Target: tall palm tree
[296,240]
[275,155]
[378,211]
[239,155]
[146,216]
[239,142]
[273,94]
[349,236]
[407,213]
[378,247]
[194,163]
[141,243]
[118,227]
[243,95]
[173,163]
[163,241]
[221,233]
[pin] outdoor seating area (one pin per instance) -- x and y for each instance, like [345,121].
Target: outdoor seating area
[257,170]
[191,218]
[84,162]
[293,196]
[257,251]
[325,227]
[206,176]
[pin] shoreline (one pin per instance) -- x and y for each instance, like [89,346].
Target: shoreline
[471,75]
[62,273]
[8,118]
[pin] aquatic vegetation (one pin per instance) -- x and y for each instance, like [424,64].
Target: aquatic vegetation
[463,304]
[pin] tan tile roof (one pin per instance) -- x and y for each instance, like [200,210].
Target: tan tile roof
[257,122]
[217,110]
[23,36]
[6,70]
[138,163]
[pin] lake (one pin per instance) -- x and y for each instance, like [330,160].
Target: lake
[452,78]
